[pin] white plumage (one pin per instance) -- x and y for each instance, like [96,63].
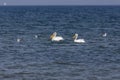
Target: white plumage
[54,37]
[78,40]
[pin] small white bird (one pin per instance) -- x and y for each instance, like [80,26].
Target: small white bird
[54,37]
[78,40]
[105,34]
[18,40]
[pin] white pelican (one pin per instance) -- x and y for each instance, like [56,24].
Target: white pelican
[78,40]
[54,37]
[105,34]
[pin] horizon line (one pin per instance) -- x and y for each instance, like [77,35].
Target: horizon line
[66,5]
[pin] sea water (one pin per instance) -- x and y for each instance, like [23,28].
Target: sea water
[41,59]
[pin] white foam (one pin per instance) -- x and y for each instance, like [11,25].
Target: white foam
[36,36]
[18,40]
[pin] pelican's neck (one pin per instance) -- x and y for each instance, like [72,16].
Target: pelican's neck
[76,36]
[55,34]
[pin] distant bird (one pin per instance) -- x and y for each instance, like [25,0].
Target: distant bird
[36,36]
[18,40]
[105,34]
[54,37]
[78,40]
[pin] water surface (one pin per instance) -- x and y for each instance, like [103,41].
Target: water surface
[41,59]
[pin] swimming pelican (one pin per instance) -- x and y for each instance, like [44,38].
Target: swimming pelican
[78,40]
[105,34]
[54,37]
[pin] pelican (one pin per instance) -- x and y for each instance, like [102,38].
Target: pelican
[105,34]
[54,37]
[78,40]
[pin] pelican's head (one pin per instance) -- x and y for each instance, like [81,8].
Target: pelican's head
[53,35]
[75,36]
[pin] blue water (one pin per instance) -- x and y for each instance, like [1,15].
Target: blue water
[40,59]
